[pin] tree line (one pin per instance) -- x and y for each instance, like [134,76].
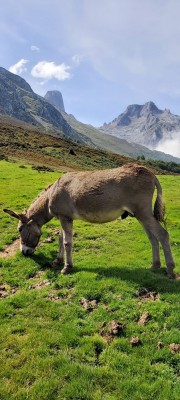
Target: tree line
[168,166]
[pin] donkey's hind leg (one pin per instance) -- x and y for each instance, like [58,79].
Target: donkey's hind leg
[153,226]
[67,230]
[156,262]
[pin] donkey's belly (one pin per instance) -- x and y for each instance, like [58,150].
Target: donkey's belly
[99,217]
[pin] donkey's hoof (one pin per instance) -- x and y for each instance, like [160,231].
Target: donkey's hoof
[67,269]
[170,274]
[57,261]
[155,267]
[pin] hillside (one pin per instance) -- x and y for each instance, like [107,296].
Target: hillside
[25,143]
[40,149]
[144,124]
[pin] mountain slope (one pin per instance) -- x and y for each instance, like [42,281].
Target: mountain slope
[18,100]
[144,124]
[27,143]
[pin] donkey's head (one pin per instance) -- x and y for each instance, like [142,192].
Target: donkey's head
[30,232]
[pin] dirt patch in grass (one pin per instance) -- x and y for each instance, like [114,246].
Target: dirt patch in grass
[10,250]
[40,285]
[53,296]
[112,331]
[87,304]
[116,328]
[56,295]
[145,317]
[174,348]
[5,292]
[135,341]
[160,345]
[145,294]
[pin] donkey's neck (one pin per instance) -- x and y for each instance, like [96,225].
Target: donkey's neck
[39,209]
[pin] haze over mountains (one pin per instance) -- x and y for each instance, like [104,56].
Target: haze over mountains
[128,134]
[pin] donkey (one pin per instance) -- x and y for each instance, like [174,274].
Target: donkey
[97,196]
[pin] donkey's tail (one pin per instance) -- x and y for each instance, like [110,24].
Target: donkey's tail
[159,207]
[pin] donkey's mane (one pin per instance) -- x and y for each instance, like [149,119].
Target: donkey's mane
[39,196]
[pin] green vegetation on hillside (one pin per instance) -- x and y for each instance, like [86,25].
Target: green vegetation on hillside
[70,337]
[165,166]
[38,148]
[19,143]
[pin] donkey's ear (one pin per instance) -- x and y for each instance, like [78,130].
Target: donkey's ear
[21,217]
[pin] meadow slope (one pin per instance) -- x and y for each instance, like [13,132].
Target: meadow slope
[81,336]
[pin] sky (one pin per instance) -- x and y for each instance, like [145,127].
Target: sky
[101,54]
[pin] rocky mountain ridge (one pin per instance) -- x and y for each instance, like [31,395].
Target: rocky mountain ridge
[145,124]
[55,98]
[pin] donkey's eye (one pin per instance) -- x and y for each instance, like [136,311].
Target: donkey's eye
[20,229]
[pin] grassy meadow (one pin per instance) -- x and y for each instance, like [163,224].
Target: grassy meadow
[81,336]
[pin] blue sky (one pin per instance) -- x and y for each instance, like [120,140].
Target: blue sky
[101,54]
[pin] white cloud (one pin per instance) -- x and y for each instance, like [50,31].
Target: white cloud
[48,70]
[170,146]
[35,48]
[19,67]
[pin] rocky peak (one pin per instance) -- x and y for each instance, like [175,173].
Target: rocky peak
[150,108]
[133,110]
[54,97]
[136,111]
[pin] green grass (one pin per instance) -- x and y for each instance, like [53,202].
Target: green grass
[53,348]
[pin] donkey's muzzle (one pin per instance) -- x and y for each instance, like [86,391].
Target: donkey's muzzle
[26,251]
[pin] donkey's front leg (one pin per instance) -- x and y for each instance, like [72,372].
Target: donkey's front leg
[67,230]
[60,256]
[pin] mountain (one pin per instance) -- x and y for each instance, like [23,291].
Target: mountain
[144,124]
[55,98]
[18,100]
[116,145]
